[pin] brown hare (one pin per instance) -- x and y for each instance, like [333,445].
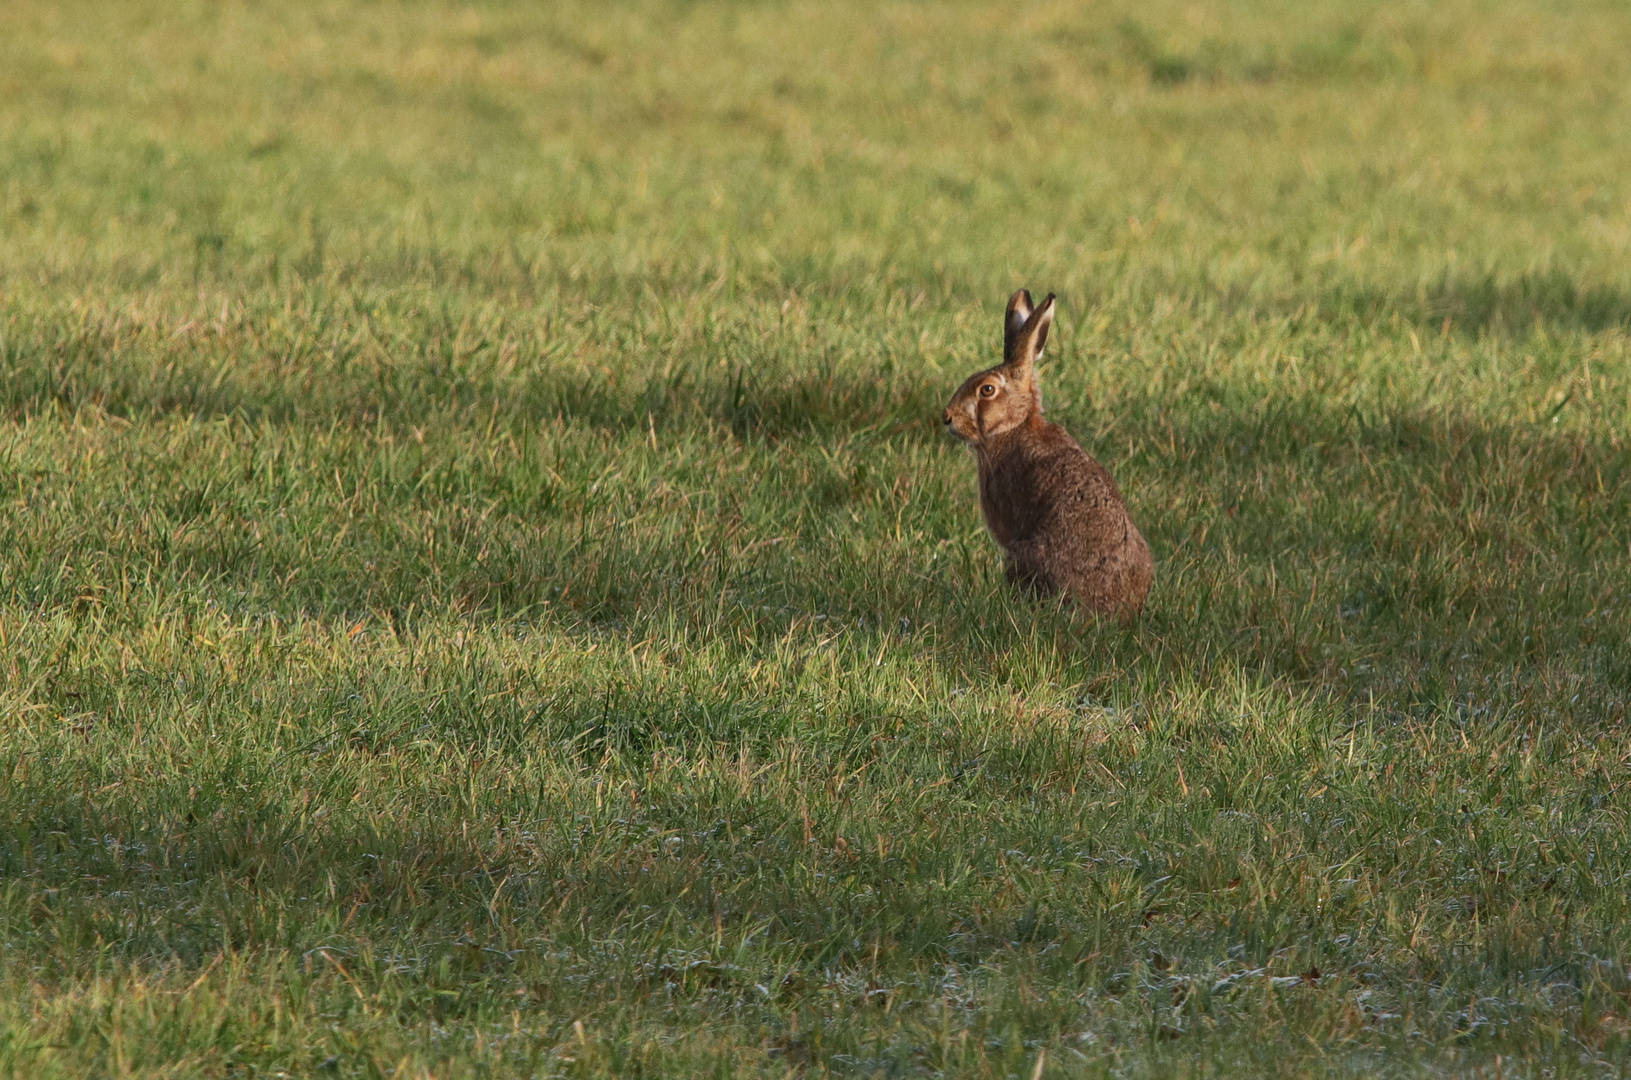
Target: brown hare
[1055,510]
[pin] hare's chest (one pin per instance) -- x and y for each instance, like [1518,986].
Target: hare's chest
[1012,503]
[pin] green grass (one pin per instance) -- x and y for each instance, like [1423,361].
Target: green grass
[484,590]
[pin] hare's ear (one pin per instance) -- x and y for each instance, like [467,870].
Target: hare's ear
[1019,310]
[1025,349]
[1026,345]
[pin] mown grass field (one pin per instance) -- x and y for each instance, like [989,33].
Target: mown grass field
[484,590]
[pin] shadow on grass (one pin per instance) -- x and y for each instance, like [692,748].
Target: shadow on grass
[752,379]
[1291,535]
[610,865]
[1365,552]
[749,388]
[445,859]
[1490,303]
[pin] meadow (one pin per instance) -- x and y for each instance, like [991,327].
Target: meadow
[484,590]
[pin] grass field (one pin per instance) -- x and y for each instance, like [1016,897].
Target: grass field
[484,590]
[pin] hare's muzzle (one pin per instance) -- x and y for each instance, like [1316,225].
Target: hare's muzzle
[946,418]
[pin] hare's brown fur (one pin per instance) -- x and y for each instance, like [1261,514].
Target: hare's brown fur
[1054,509]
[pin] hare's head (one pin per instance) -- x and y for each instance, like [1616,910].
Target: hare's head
[1002,398]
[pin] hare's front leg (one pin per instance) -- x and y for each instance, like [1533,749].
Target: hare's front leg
[1026,575]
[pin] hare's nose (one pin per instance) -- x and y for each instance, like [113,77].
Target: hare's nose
[946,418]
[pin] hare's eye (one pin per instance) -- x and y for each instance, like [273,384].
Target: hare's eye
[988,390]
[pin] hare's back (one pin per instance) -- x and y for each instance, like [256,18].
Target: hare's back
[1093,549]
[1082,489]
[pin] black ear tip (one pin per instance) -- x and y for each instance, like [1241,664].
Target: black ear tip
[1048,303]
